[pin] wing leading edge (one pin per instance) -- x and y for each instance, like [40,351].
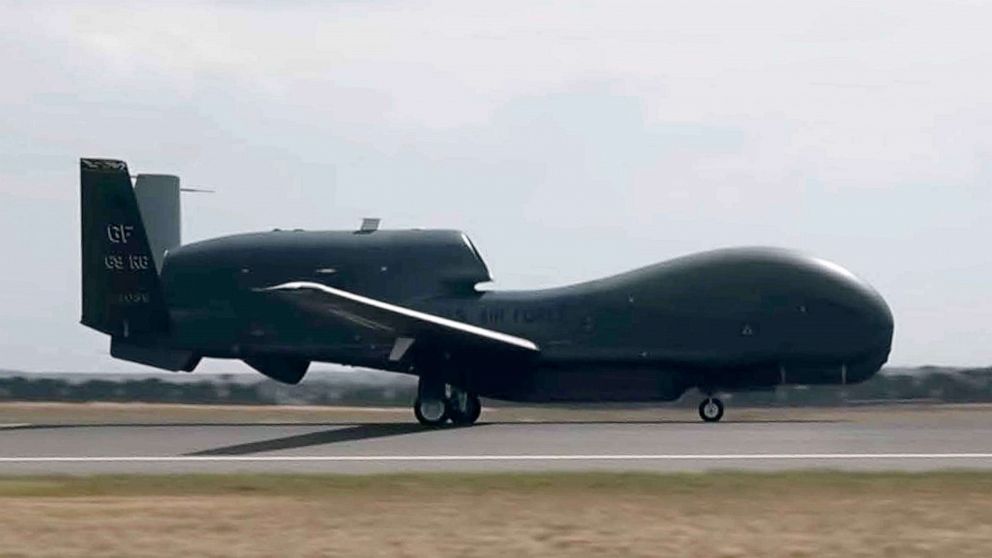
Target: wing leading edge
[392,320]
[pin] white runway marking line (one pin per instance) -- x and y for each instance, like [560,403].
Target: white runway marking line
[373,458]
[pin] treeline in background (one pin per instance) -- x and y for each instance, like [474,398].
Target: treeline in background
[368,388]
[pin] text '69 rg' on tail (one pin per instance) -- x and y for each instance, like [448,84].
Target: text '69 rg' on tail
[122,293]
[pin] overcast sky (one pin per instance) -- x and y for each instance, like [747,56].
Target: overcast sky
[570,140]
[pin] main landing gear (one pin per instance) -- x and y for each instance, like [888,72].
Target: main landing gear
[711,409]
[437,403]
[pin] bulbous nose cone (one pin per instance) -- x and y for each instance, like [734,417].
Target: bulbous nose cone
[878,320]
[846,289]
[857,322]
[814,313]
[813,320]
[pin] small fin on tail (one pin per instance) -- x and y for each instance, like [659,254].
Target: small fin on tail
[158,203]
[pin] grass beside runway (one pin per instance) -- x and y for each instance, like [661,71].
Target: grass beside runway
[546,514]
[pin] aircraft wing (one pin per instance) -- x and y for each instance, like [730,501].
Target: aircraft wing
[406,325]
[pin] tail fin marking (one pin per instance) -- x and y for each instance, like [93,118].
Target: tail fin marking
[122,294]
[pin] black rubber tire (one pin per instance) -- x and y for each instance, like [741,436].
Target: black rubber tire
[470,415]
[426,421]
[711,417]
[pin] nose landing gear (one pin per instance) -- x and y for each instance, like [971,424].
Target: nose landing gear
[711,409]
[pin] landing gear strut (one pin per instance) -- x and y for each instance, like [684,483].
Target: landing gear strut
[463,408]
[711,409]
[437,403]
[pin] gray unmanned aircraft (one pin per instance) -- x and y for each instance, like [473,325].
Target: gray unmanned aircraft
[406,301]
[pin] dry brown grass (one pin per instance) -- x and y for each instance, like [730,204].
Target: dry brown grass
[717,514]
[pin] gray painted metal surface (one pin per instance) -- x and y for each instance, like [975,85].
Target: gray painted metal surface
[724,320]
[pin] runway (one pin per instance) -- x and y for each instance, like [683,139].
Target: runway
[955,439]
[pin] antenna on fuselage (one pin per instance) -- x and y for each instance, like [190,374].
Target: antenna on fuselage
[369,225]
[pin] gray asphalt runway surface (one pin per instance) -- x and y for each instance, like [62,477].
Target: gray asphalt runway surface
[867,442]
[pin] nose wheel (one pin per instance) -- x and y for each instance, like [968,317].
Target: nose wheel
[711,409]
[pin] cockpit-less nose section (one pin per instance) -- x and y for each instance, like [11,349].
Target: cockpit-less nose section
[406,301]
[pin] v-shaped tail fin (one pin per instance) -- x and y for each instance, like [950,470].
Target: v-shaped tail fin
[122,294]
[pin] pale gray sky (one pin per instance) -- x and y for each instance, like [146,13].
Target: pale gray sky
[570,140]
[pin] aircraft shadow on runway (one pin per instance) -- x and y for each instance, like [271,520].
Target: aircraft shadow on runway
[382,430]
[346,434]
[55,426]
[662,422]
